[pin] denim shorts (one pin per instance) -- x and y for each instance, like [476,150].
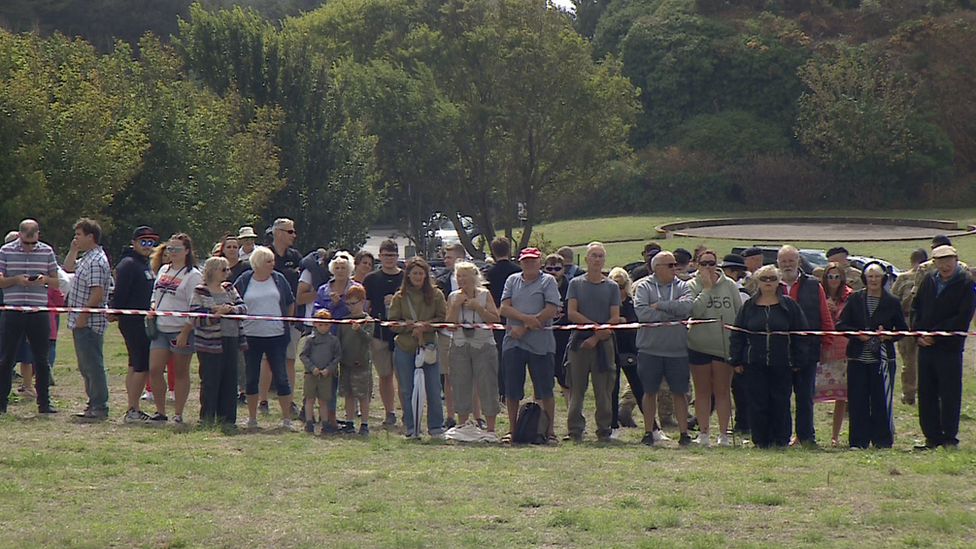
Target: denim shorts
[541,370]
[167,340]
[652,369]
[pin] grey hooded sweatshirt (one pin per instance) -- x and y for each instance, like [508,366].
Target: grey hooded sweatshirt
[673,303]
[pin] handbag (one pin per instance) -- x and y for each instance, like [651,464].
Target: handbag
[152,330]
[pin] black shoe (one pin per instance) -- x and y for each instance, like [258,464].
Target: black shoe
[648,439]
[482,424]
[449,422]
[684,440]
[242,399]
[363,430]
[158,419]
[309,426]
[347,428]
[46,410]
[92,415]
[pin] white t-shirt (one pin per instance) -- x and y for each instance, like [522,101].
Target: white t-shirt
[307,279]
[172,292]
[262,298]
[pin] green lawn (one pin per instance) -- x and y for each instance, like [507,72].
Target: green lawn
[69,485]
[635,230]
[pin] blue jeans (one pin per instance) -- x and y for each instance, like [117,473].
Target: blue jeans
[91,363]
[404,364]
[274,348]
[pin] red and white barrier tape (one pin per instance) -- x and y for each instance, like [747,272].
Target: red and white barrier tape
[855,333]
[387,323]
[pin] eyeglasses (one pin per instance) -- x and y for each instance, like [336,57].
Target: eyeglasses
[553,269]
[707,263]
[833,277]
[149,242]
[668,265]
[26,243]
[385,254]
[175,248]
[768,279]
[289,231]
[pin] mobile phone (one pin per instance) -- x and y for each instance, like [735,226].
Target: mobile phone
[33,277]
[173,342]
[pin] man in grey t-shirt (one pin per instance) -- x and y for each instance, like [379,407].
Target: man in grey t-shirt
[592,299]
[529,302]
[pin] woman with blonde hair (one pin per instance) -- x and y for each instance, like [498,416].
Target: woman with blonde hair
[216,341]
[626,355]
[474,361]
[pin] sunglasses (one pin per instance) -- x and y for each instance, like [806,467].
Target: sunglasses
[289,231]
[148,242]
[768,279]
[833,277]
[175,248]
[553,269]
[707,263]
[668,265]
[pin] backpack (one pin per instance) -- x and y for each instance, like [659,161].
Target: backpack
[531,426]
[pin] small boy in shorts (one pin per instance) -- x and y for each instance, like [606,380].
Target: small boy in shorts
[320,355]
[356,377]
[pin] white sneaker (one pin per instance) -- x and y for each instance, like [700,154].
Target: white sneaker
[136,416]
[615,434]
[723,440]
[147,396]
[659,436]
[171,396]
[469,432]
[286,423]
[252,424]
[703,440]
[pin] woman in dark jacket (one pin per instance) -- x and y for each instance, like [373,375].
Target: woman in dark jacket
[768,360]
[871,359]
[626,340]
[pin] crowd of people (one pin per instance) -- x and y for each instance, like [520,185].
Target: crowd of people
[717,337]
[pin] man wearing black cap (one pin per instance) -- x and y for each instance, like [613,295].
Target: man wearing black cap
[134,281]
[651,249]
[839,255]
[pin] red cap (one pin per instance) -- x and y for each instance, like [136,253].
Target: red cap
[530,252]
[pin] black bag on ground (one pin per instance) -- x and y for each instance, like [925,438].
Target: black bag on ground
[531,426]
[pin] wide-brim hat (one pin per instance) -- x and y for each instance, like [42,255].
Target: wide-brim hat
[246,232]
[734,261]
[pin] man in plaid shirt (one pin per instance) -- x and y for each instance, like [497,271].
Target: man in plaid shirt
[27,266]
[92,282]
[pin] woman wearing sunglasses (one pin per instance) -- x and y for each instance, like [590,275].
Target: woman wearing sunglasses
[831,384]
[768,360]
[172,292]
[555,267]
[714,297]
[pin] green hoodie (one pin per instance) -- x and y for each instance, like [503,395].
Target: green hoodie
[721,302]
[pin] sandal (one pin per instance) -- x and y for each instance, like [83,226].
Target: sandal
[551,439]
[507,439]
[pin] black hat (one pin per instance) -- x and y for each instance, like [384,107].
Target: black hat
[837,250]
[940,240]
[682,256]
[749,252]
[144,231]
[734,261]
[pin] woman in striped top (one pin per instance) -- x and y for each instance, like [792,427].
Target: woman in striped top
[871,359]
[216,341]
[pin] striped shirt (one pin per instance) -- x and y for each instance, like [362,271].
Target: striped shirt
[14,261]
[868,354]
[91,271]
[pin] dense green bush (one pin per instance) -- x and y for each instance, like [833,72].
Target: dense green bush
[732,136]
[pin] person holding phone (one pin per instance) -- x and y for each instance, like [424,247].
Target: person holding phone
[27,267]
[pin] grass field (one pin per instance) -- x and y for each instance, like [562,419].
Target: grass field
[70,485]
[638,229]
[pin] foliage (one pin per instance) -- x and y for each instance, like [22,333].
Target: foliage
[860,120]
[326,157]
[732,136]
[125,142]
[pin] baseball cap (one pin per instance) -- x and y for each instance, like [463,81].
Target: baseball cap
[944,251]
[837,250]
[750,252]
[530,252]
[940,240]
[144,231]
